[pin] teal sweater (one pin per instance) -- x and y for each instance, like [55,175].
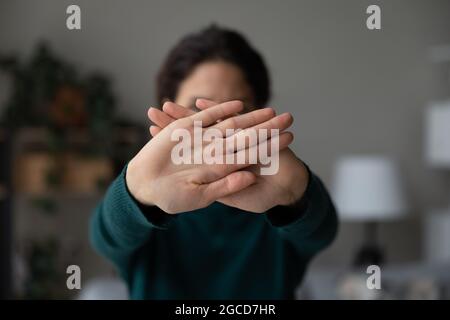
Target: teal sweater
[218,252]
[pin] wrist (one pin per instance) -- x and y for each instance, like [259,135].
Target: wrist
[139,191]
[297,186]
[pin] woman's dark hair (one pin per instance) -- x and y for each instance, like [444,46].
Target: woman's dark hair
[213,43]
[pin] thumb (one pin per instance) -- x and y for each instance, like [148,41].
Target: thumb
[228,185]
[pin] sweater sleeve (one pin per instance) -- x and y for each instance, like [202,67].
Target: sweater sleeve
[311,223]
[120,225]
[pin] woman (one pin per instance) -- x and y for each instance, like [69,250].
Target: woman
[217,231]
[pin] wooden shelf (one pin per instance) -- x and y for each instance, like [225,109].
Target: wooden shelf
[78,170]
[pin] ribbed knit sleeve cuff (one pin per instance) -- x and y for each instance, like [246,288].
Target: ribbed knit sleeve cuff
[134,212]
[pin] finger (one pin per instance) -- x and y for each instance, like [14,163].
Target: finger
[176,111]
[259,153]
[263,151]
[241,139]
[154,130]
[159,118]
[246,120]
[220,111]
[203,104]
[228,185]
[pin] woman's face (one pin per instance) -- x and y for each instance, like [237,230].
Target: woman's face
[217,81]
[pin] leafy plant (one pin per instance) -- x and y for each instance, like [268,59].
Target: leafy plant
[49,92]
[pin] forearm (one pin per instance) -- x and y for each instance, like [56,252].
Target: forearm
[310,224]
[120,225]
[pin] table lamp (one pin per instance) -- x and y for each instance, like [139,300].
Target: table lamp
[368,189]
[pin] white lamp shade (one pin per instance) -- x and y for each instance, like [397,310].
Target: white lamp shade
[368,188]
[437,139]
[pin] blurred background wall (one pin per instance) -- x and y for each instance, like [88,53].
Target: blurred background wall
[350,90]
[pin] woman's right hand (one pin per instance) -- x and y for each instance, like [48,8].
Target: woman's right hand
[153,178]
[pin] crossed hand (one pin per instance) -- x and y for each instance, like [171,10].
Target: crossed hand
[154,179]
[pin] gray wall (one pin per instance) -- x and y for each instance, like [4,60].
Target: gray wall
[351,90]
